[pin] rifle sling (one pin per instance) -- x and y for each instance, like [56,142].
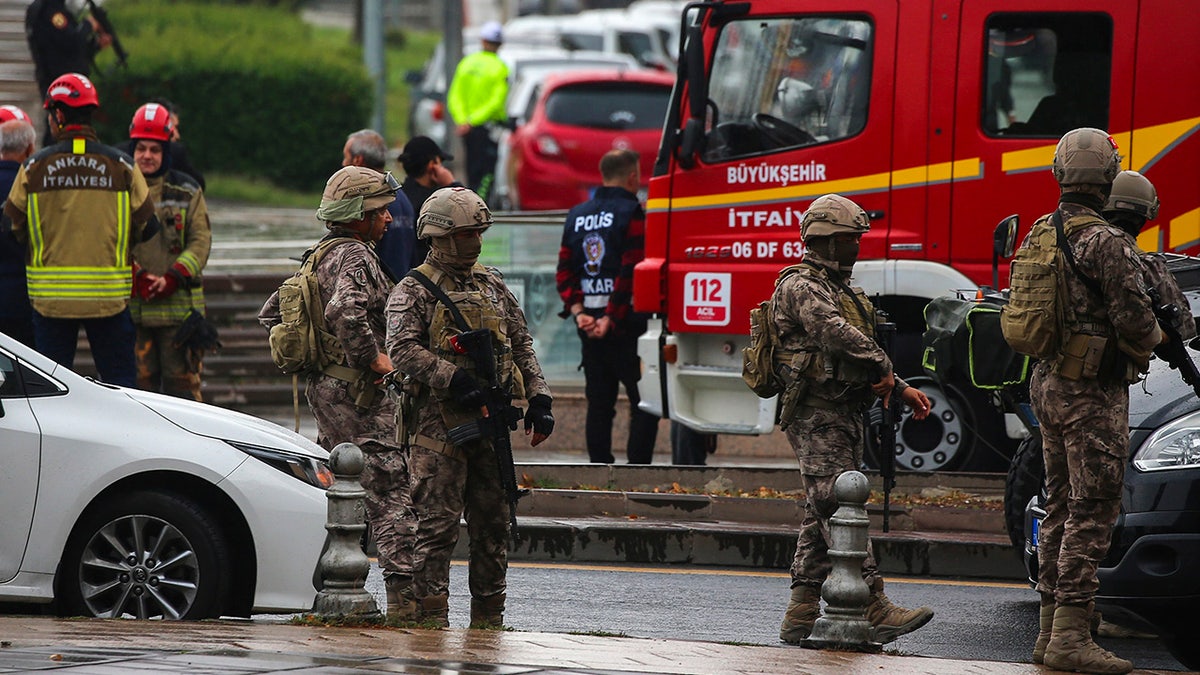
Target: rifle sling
[442,297]
[1064,245]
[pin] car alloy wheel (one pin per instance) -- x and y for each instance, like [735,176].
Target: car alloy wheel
[147,555]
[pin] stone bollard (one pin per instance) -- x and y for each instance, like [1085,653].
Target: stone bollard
[844,623]
[343,565]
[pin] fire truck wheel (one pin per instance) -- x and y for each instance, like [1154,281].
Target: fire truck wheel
[960,433]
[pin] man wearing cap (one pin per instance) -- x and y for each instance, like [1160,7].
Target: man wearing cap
[424,174]
[345,397]
[17,138]
[476,103]
[80,207]
[396,249]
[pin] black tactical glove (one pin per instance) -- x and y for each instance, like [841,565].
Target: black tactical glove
[538,416]
[465,389]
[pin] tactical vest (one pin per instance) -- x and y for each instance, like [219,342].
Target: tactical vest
[479,312]
[860,315]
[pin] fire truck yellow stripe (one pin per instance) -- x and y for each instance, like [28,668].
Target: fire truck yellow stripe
[1150,144]
[1185,230]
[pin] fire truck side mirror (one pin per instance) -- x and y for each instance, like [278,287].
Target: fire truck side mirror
[689,143]
[1004,238]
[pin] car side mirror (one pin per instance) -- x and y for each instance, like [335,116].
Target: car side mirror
[413,77]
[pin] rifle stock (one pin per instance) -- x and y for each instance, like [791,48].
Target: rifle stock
[1173,351]
[101,16]
[884,335]
[502,417]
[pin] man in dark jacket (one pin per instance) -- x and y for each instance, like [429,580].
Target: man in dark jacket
[17,138]
[424,174]
[59,43]
[602,241]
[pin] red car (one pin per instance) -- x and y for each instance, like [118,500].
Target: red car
[554,158]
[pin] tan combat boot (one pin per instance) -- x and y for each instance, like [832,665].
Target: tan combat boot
[401,605]
[435,609]
[488,612]
[1045,624]
[1071,646]
[891,621]
[802,611]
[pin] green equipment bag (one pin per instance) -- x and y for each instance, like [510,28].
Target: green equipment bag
[1032,321]
[300,343]
[963,341]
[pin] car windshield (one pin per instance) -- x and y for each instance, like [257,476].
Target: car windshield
[609,105]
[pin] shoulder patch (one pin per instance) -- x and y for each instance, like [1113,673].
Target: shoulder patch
[59,20]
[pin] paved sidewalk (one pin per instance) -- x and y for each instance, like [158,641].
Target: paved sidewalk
[97,646]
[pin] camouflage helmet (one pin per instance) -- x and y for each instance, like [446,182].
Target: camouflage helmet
[1086,156]
[452,209]
[354,190]
[1133,193]
[833,214]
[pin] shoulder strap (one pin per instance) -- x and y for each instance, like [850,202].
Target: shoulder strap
[836,278]
[442,297]
[1064,245]
[324,247]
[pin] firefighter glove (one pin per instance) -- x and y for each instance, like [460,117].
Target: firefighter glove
[465,389]
[538,416]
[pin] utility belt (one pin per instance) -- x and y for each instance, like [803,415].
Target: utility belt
[1095,357]
[361,383]
[441,447]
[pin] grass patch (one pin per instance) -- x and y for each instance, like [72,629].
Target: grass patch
[598,633]
[258,191]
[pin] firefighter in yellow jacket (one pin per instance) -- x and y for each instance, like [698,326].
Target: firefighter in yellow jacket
[80,207]
[166,284]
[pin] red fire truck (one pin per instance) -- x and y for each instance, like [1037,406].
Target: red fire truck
[940,118]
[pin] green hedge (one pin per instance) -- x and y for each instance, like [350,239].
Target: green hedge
[259,94]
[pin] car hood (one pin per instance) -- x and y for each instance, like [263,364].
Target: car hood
[207,420]
[1160,398]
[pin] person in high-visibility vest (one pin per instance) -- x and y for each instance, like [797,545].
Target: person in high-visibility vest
[80,206]
[476,102]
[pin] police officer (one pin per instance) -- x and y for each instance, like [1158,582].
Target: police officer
[60,44]
[1081,399]
[602,241]
[167,281]
[1132,204]
[449,481]
[345,397]
[91,207]
[476,102]
[839,371]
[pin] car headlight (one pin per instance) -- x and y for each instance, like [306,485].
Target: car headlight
[1173,446]
[310,470]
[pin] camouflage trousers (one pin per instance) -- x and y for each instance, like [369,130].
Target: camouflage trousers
[340,421]
[162,367]
[827,443]
[1085,439]
[389,509]
[465,482]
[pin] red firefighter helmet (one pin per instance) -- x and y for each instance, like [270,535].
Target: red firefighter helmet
[71,90]
[9,113]
[152,121]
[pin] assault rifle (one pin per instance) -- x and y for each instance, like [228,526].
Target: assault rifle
[885,334]
[101,16]
[1173,351]
[502,415]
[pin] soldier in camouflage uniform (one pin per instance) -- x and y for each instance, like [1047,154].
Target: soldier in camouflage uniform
[345,398]
[837,370]
[1132,204]
[1081,399]
[450,480]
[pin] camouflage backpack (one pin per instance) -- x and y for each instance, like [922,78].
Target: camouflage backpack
[1033,321]
[300,343]
[760,359]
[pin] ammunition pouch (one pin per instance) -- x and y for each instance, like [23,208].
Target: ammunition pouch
[1096,357]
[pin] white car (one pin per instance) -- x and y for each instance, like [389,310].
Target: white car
[124,503]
